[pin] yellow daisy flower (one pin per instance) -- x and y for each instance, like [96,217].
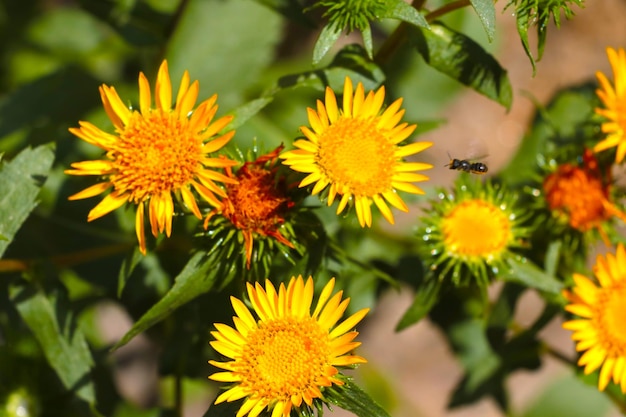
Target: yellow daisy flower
[289,355]
[355,152]
[155,153]
[601,329]
[472,228]
[614,99]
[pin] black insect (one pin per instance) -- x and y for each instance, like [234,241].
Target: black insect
[467,166]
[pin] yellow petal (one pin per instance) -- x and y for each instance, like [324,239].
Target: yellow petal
[163,88]
[107,205]
[92,191]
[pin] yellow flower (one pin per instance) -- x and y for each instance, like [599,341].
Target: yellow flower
[472,228]
[614,99]
[354,151]
[287,357]
[601,329]
[155,153]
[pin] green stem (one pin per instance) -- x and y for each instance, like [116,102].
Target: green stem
[558,355]
[178,394]
[450,7]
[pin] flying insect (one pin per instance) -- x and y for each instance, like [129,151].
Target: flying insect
[464,165]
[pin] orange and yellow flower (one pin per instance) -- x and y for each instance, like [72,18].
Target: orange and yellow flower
[581,194]
[600,329]
[157,155]
[257,202]
[355,152]
[289,355]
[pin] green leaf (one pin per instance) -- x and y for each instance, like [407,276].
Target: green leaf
[425,298]
[530,275]
[67,31]
[458,56]
[194,280]
[48,104]
[352,398]
[552,257]
[245,112]
[328,37]
[403,11]
[568,397]
[20,182]
[367,41]
[486,11]
[523,22]
[223,48]
[128,266]
[350,62]
[64,346]
[137,22]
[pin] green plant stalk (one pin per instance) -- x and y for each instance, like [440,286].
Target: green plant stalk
[398,36]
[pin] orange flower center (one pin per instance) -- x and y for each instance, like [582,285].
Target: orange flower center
[578,194]
[155,154]
[476,228]
[256,202]
[356,156]
[609,314]
[284,357]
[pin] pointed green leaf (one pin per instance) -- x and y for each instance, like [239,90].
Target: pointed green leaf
[425,298]
[530,275]
[128,266]
[192,281]
[367,41]
[402,10]
[522,21]
[243,113]
[486,11]
[20,182]
[65,348]
[458,56]
[327,39]
[352,398]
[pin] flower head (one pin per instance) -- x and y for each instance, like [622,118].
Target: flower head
[581,194]
[600,330]
[614,99]
[256,204]
[355,152]
[289,355]
[156,154]
[473,228]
